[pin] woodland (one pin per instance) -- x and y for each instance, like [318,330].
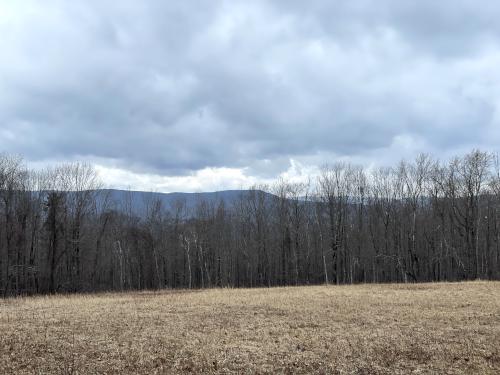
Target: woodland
[416,221]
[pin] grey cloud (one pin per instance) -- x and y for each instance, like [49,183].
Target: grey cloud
[173,87]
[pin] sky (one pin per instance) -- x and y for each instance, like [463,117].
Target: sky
[210,94]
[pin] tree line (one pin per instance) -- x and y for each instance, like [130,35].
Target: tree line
[417,221]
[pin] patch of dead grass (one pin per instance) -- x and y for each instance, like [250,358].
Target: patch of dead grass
[446,328]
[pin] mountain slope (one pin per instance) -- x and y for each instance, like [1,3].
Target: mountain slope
[138,201]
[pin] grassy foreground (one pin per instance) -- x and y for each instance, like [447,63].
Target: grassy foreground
[364,329]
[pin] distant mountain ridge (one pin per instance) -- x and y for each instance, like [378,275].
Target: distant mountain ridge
[138,201]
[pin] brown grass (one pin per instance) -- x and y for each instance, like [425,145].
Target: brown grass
[365,329]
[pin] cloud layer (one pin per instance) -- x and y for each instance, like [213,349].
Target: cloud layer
[182,89]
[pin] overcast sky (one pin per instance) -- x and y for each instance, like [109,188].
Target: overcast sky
[210,95]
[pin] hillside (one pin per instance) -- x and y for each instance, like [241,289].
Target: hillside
[139,200]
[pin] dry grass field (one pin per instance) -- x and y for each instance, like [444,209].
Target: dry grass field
[448,328]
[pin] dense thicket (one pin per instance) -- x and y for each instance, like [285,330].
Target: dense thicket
[418,221]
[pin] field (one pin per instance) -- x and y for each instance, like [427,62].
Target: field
[446,328]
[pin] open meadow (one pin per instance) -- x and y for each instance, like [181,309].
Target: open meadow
[446,328]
